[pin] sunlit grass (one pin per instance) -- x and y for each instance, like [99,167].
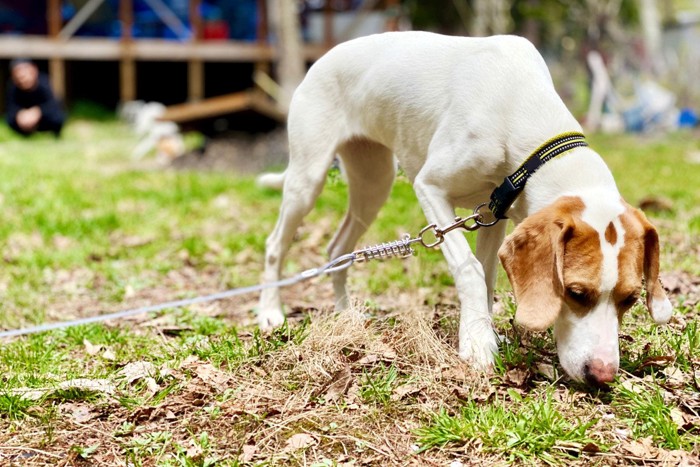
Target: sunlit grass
[87,230]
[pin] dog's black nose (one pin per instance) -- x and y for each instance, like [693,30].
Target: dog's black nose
[598,373]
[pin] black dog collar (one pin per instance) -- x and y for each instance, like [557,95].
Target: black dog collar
[503,196]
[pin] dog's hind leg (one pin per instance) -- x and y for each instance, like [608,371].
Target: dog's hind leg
[310,157]
[370,169]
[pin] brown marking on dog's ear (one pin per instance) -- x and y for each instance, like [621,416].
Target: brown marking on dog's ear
[642,249]
[533,259]
[657,301]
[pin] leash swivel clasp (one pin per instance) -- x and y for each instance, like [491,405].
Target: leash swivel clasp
[429,237]
[459,223]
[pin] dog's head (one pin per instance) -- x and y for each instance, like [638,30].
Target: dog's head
[579,265]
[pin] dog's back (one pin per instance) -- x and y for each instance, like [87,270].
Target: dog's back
[387,86]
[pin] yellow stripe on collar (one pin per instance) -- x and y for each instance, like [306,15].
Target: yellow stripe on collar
[504,196]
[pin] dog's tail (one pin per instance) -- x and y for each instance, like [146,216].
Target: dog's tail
[273,181]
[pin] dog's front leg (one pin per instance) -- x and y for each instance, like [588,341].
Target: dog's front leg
[488,241]
[477,340]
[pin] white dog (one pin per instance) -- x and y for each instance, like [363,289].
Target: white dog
[163,136]
[460,114]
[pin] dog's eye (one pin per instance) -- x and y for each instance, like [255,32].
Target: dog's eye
[630,300]
[579,296]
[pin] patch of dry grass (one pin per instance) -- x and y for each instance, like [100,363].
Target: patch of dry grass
[320,388]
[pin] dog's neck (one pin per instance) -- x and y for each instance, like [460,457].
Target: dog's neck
[579,172]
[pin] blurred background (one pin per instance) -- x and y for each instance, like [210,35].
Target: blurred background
[217,65]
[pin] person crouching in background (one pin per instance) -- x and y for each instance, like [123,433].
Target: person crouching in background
[31,105]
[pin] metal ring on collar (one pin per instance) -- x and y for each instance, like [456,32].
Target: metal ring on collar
[480,216]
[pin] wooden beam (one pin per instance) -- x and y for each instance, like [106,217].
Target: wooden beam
[165,14]
[207,108]
[79,18]
[265,106]
[221,105]
[104,49]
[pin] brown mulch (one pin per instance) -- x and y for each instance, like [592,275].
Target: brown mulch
[240,152]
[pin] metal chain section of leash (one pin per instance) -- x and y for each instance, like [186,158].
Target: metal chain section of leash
[403,248]
[400,248]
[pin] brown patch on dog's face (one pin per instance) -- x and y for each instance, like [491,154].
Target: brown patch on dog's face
[582,268]
[611,234]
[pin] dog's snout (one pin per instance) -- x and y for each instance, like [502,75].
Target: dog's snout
[598,373]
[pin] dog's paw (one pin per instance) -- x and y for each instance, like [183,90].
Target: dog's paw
[270,318]
[661,310]
[478,347]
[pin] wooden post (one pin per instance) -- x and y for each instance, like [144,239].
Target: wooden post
[195,66]
[263,28]
[53,16]
[127,65]
[57,75]
[57,70]
[195,80]
[262,32]
[290,65]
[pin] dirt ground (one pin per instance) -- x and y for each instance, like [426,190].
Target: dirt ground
[241,152]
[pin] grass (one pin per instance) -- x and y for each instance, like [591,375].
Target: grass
[521,429]
[87,231]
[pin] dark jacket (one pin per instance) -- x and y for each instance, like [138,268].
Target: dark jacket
[52,114]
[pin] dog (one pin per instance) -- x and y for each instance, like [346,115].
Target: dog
[154,133]
[460,114]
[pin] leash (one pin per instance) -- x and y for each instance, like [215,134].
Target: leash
[400,248]
[429,236]
[338,264]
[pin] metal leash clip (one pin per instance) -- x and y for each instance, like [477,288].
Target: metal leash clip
[403,248]
[459,223]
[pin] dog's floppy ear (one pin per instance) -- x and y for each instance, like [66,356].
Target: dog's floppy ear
[658,303]
[533,259]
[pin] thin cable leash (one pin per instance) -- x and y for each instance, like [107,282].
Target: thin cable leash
[400,248]
[340,263]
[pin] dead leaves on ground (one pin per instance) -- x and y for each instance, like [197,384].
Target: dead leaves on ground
[304,402]
[645,450]
[683,285]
